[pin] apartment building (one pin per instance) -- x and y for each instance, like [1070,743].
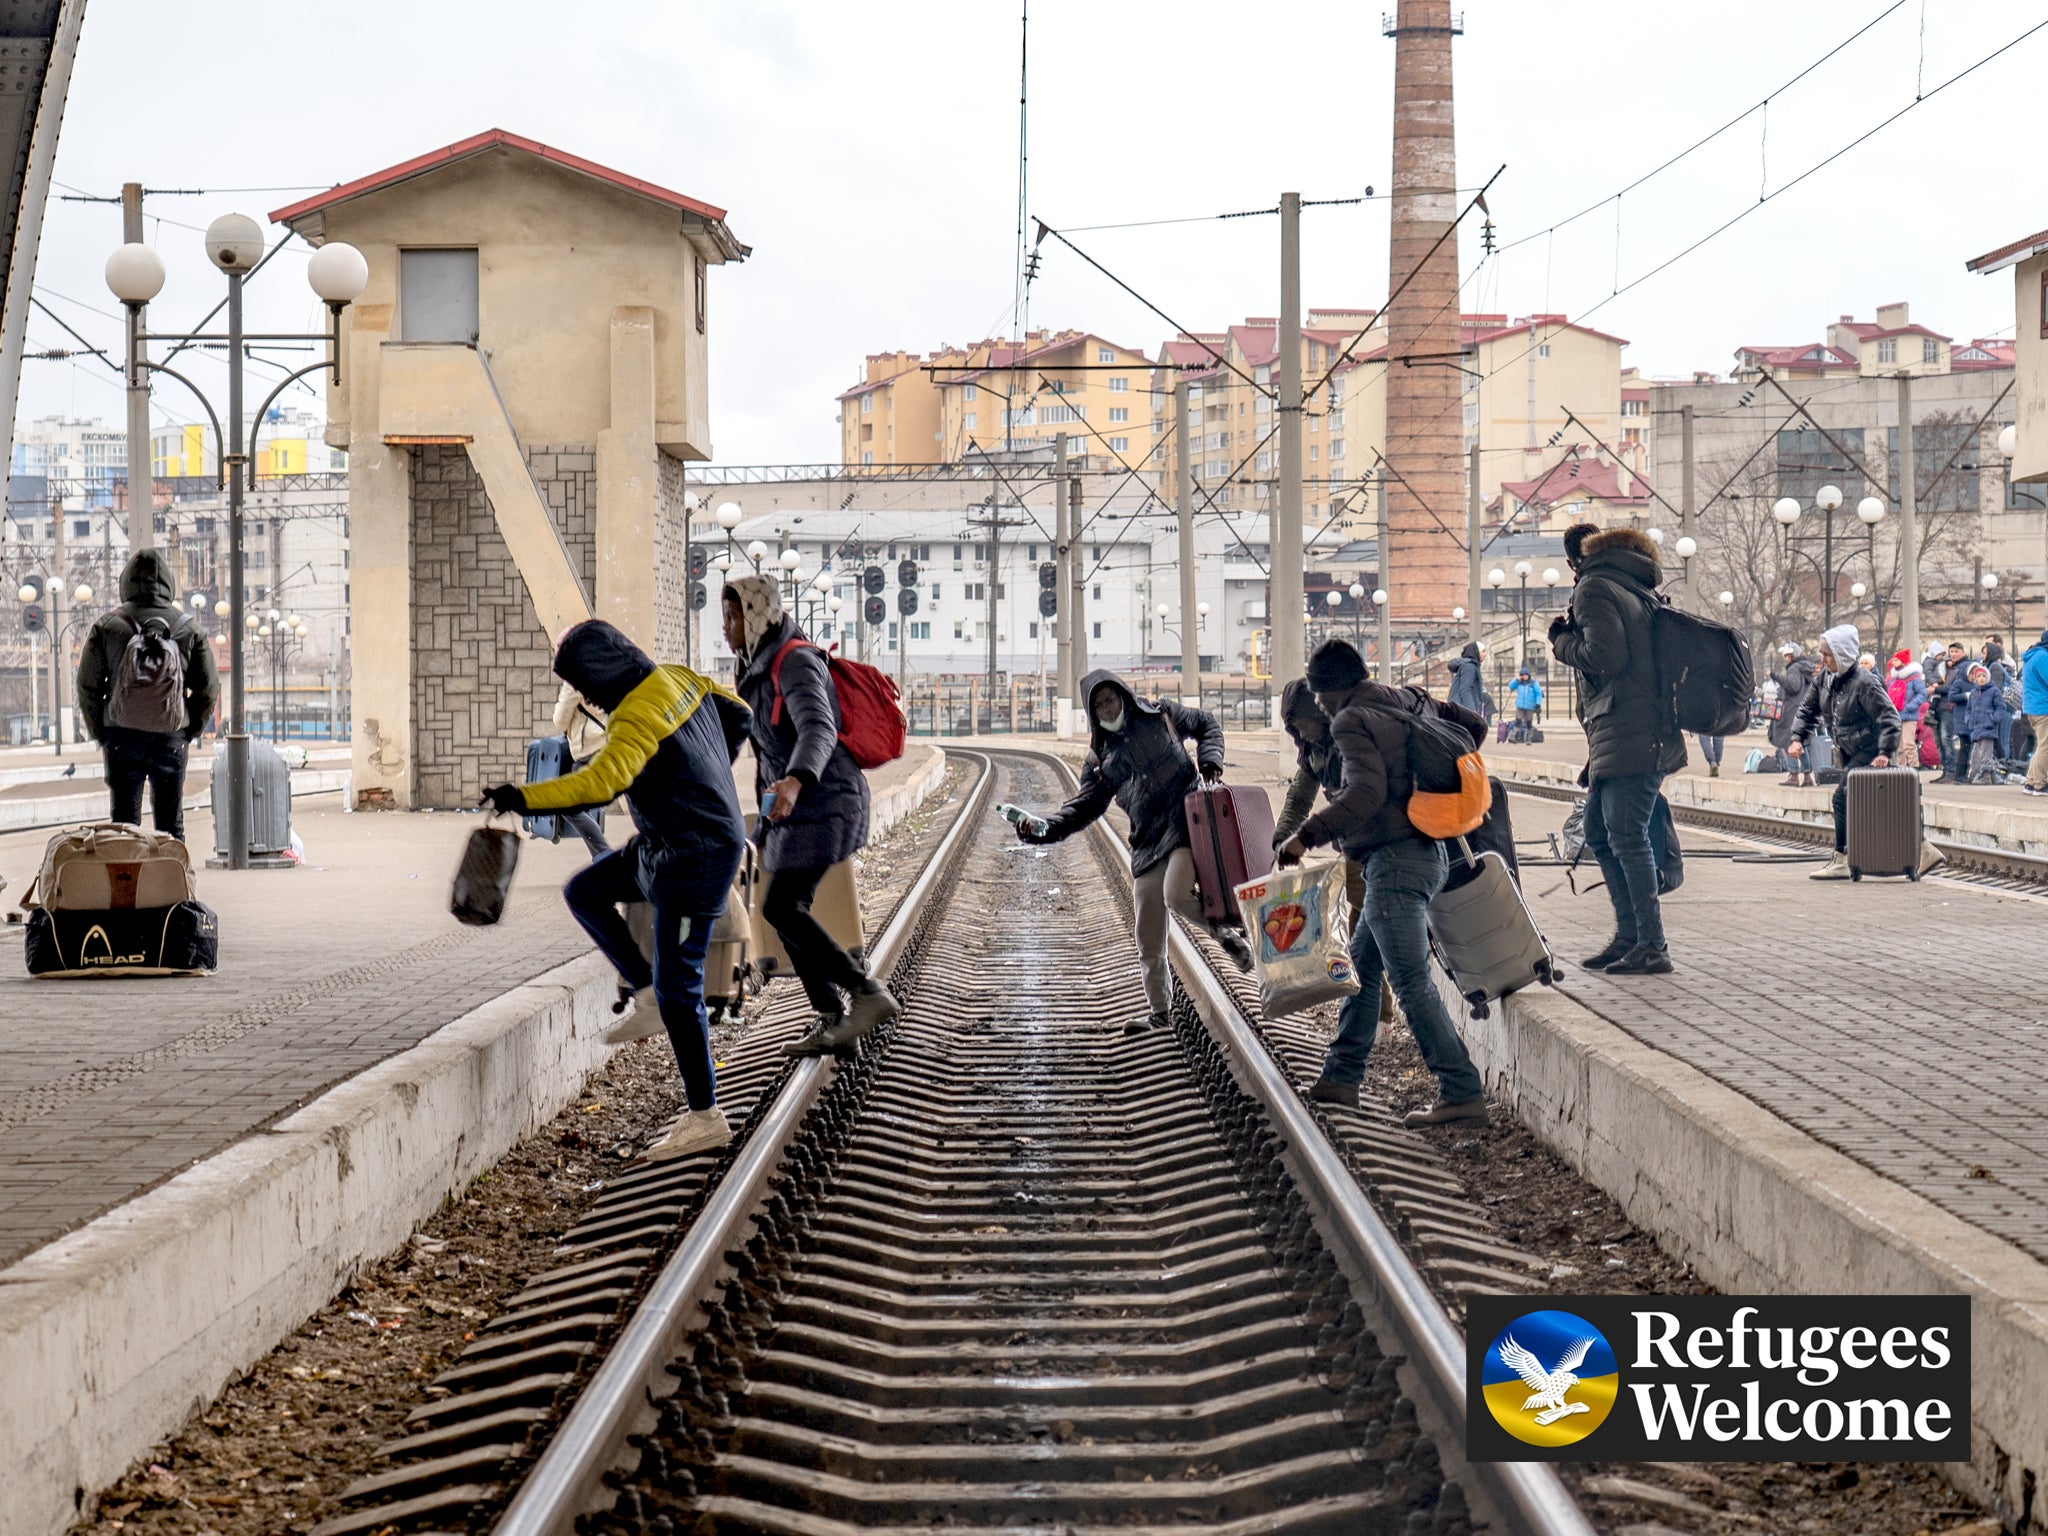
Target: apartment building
[1885,348]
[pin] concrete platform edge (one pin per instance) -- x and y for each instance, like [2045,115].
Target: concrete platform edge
[892,805]
[112,1334]
[1757,1206]
[73,809]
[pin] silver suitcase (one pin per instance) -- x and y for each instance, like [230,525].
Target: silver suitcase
[1483,934]
[270,799]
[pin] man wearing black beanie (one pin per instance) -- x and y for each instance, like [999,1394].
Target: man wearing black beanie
[1404,869]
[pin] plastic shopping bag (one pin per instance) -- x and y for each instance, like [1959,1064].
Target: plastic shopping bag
[1300,926]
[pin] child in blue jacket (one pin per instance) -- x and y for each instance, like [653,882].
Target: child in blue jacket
[1978,719]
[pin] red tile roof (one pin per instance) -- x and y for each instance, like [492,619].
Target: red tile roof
[2006,255]
[1809,354]
[1576,474]
[497,138]
[1004,358]
[1997,353]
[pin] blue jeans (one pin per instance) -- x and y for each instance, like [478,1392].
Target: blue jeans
[1710,749]
[681,939]
[1618,812]
[1393,940]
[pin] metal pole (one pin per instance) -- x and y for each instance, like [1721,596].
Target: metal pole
[1062,587]
[1472,514]
[60,588]
[1184,501]
[1685,513]
[1909,527]
[1290,646]
[238,724]
[995,570]
[1387,584]
[1827,561]
[1078,606]
[141,475]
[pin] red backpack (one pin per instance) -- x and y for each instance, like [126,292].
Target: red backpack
[871,724]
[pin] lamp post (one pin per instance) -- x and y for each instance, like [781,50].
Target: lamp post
[1989,582]
[1869,511]
[1686,547]
[1357,591]
[1523,571]
[337,274]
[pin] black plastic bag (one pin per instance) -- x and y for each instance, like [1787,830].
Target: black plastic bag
[484,877]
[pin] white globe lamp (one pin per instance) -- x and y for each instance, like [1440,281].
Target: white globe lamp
[1871,511]
[1687,547]
[1828,497]
[135,273]
[338,273]
[234,242]
[1496,577]
[1785,510]
[1334,598]
[729,514]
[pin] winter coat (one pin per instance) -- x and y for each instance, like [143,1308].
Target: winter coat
[1982,715]
[581,721]
[1144,768]
[1858,713]
[2034,677]
[673,736]
[147,592]
[1956,692]
[1605,637]
[1371,809]
[1908,691]
[801,741]
[1792,685]
[1316,767]
[1468,691]
[1528,693]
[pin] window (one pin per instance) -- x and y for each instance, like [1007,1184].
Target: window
[1934,445]
[1543,349]
[969,396]
[1635,407]
[1312,447]
[1098,629]
[81,527]
[977,591]
[1119,445]
[1094,553]
[1930,350]
[1336,447]
[981,630]
[1632,435]
[957,565]
[702,300]
[1034,630]
[1021,418]
[1263,374]
[935,591]
[1104,355]
[1119,386]
[1888,350]
[959,629]
[1058,415]
[437,295]
[892,634]
[2020,497]
[1807,461]
[1098,592]
[1119,413]
[867,405]
[970,419]
[867,458]
[920,630]
[1336,421]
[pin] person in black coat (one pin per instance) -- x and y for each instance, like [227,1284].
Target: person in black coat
[1632,742]
[814,801]
[1793,680]
[1468,684]
[1137,759]
[1861,718]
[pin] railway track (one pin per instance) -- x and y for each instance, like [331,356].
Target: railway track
[1004,1268]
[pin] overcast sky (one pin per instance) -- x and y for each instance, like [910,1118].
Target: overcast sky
[868,154]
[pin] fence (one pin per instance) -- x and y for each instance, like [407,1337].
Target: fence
[939,706]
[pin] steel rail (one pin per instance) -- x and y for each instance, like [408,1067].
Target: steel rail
[1530,1497]
[568,1478]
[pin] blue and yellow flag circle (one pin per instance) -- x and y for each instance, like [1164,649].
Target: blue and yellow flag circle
[1545,1344]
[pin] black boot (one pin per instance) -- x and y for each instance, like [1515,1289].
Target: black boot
[1643,961]
[1616,948]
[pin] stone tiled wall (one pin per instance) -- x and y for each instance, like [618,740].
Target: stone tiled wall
[671,570]
[482,684]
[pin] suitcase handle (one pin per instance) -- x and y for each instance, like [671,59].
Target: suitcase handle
[1465,851]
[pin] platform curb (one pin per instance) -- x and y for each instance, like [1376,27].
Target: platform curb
[1757,1206]
[111,1335]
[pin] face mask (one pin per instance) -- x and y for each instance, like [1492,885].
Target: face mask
[1114,724]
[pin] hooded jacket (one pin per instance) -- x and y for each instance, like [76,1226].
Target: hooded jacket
[2034,677]
[801,741]
[1144,768]
[1908,690]
[1859,716]
[1468,691]
[1317,766]
[669,749]
[147,592]
[1605,637]
[1792,682]
[1370,810]
[1528,693]
[1982,713]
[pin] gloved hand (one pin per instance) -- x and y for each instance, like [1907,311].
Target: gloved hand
[504,798]
[1289,853]
[1213,772]
[1559,625]
[1029,834]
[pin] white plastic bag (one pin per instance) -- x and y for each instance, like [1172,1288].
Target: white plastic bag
[1300,925]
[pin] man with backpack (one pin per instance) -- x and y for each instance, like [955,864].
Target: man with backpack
[1367,817]
[814,806]
[1632,741]
[146,685]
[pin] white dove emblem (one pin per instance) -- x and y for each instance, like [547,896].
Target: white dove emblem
[1549,1387]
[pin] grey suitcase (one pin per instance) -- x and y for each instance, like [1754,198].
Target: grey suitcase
[1483,934]
[270,799]
[1883,822]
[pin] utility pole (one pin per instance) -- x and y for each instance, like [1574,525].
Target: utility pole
[141,470]
[1184,499]
[1078,604]
[1909,527]
[1685,508]
[60,589]
[1284,533]
[995,522]
[1472,515]
[1386,585]
[1062,589]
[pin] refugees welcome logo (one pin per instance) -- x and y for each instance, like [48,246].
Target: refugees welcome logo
[1719,1378]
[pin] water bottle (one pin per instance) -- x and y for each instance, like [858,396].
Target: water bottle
[1017,816]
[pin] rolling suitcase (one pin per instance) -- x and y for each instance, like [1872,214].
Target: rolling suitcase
[836,906]
[729,971]
[547,758]
[1483,934]
[1883,822]
[1496,834]
[1230,832]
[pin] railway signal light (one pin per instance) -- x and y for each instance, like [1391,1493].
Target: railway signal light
[906,573]
[1048,603]
[906,600]
[1048,575]
[875,611]
[700,562]
[32,618]
[699,597]
[872,580]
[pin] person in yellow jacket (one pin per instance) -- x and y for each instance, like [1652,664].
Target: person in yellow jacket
[671,737]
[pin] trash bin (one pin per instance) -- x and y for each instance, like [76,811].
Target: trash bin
[270,799]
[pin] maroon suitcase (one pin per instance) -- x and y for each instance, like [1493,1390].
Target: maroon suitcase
[1230,829]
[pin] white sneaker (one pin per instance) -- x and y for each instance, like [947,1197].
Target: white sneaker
[695,1130]
[1836,868]
[639,1018]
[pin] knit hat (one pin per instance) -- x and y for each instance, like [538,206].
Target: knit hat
[760,606]
[1335,666]
[1978,669]
[1900,658]
[1789,648]
[1843,643]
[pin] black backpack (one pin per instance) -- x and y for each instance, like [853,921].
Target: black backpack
[1434,747]
[148,692]
[1704,672]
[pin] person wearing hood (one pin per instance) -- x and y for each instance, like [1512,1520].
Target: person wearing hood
[1404,869]
[1137,758]
[133,753]
[2001,674]
[1978,721]
[1907,689]
[1468,686]
[2034,705]
[576,718]
[669,746]
[814,806]
[1793,678]
[1859,715]
[1631,740]
[1528,704]
[1955,699]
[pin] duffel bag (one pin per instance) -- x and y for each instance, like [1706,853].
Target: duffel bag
[179,940]
[484,877]
[111,866]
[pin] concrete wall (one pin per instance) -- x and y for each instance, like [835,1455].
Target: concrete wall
[672,584]
[2031,463]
